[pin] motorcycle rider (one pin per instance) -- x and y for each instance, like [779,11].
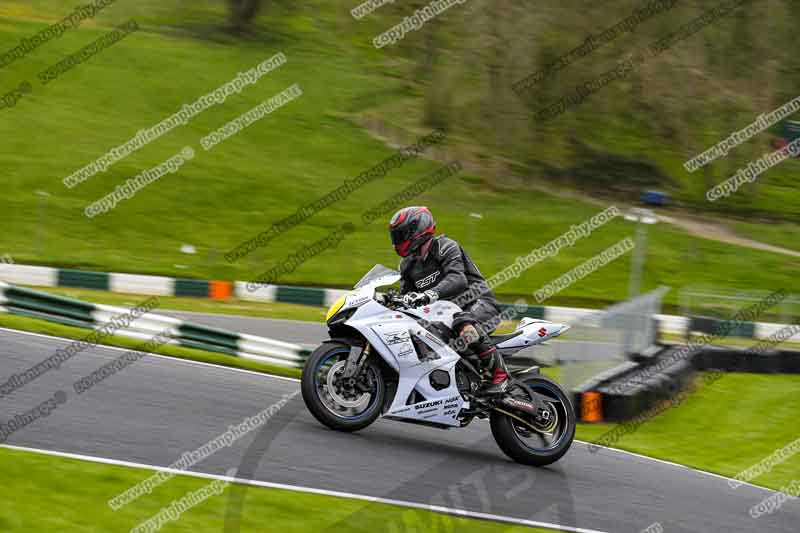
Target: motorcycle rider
[438,268]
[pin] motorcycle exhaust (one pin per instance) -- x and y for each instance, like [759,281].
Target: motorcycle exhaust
[543,418]
[519,405]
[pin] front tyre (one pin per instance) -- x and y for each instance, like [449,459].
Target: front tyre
[538,445]
[343,405]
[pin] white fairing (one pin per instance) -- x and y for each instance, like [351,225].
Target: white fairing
[531,332]
[391,332]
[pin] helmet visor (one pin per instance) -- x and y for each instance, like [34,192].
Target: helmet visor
[401,234]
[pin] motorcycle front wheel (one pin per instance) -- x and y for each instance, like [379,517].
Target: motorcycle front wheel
[339,403]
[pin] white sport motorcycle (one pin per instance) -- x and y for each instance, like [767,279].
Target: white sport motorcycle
[384,359]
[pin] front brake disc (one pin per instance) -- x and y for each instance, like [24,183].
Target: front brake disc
[333,388]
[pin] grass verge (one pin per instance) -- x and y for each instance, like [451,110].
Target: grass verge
[67,495]
[777,234]
[725,427]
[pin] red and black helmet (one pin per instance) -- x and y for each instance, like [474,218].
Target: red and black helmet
[410,228]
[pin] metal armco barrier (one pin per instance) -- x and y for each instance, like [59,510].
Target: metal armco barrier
[39,276]
[631,389]
[71,312]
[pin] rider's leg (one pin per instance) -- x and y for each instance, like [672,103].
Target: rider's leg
[473,337]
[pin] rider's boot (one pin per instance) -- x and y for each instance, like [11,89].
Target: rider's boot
[493,362]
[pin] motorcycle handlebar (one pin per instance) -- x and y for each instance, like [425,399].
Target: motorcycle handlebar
[394,301]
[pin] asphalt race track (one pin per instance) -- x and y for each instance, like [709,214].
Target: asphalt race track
[158,408]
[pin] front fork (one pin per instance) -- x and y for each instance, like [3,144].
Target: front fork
[355,365]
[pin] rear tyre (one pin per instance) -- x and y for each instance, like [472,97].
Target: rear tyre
[335,402]
[527,446]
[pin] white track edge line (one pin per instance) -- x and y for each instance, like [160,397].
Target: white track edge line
[298,488]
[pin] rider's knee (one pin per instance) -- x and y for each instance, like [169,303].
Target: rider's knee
[469,334]
[463,319]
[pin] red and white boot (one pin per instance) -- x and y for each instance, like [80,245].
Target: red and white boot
[494,363]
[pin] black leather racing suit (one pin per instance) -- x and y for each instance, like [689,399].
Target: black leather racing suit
[449,271]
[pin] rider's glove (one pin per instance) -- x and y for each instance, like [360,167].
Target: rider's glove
[415,299]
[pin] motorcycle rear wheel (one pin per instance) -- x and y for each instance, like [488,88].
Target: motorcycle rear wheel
[529,447]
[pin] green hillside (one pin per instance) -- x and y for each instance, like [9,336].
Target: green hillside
[289,158]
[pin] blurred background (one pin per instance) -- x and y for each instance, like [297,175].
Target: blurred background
[525,179]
